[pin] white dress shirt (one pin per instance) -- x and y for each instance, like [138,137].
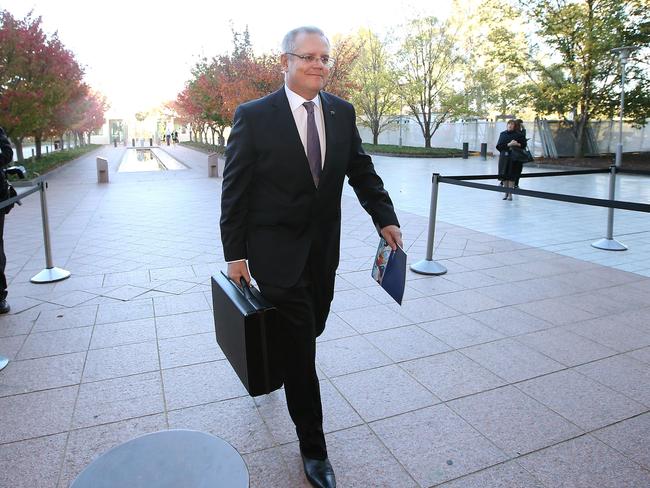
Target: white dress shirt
[300,116]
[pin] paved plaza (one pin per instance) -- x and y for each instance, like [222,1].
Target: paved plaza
[527,365]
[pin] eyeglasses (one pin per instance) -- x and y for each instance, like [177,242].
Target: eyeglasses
[308,58]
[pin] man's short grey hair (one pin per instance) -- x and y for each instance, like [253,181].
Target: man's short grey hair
[289,41]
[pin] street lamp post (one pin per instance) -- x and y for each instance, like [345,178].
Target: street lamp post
[608,243]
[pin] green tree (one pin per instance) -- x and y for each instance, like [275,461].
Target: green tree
[579,79]
[428,60]
[376,96]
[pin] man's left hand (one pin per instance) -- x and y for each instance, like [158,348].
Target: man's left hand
[393,236]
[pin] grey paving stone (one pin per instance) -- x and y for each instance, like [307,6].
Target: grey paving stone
[613,333]
[473,279]
[511,360]
[374,318]
[630,437]
[177,304]
[36,414]
[348,355]
[510,321]
[201,383]
[585,463]
[86,445]
[452,375]
[516,423]
[556,311]
[139,276]
[117,399]
[461,331]
[565,347]
[121,333]
[124,311]
[34,463]
[358,458]
[41,374]
[383,392]
[268,469]
[11,345]
[623,374]
[642,354]
[236,421]
[112,362]
[42,344]
[182,351]
[337,413]
[351,299]
[336,328]
[424,309]
[185,324]
[436,445]
[468,301]
[13,325]
[381,296]
[176,272]
[406,343]
[125,292]
[66,318]
[584,402]
[507,475]
[435,285]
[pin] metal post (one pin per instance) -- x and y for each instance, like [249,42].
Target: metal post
[428,266]
[609,243]
[51,273]
[465,150]
[484,151]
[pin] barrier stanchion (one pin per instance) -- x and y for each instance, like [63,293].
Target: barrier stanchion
[51,273]
[608,243]
[428,266]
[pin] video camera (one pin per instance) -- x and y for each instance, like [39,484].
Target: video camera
[19,171]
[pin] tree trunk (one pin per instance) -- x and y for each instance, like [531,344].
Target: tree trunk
[427,141]
[37,143]
[580,129]
[18,143]
[213,131]
[375,137]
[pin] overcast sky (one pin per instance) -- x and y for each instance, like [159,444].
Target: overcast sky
[139,53]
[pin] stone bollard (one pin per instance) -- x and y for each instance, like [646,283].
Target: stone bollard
[102,170]
[213,165]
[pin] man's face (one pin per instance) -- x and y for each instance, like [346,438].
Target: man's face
[302,77]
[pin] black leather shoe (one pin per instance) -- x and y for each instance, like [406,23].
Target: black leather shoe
[319,472]
[4,307]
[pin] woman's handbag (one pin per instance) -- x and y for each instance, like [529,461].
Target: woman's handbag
[521,155]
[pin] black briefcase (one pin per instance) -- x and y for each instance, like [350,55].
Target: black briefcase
[244,324]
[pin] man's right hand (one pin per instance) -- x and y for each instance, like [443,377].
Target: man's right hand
[239,270]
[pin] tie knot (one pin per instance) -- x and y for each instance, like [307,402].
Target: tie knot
[309,106]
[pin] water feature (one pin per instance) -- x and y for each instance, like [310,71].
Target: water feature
[149,159]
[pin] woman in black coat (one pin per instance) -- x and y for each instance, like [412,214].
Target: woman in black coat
[509,170]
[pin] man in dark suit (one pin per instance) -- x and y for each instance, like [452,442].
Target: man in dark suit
[286,161]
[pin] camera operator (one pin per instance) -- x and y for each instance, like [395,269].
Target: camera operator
[5,159]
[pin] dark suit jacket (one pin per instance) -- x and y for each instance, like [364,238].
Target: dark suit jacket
[271,212]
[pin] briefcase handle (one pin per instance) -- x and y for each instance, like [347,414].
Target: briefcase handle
[245,290]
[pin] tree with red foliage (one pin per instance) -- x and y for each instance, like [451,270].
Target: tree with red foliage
[41,90]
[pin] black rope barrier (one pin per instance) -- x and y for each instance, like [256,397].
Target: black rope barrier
[560,197]
[533,175]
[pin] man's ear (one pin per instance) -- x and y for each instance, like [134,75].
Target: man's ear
[284,62]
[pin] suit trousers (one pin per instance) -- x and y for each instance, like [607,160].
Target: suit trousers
[300,321]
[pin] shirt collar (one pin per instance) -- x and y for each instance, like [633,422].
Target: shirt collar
[296,100]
